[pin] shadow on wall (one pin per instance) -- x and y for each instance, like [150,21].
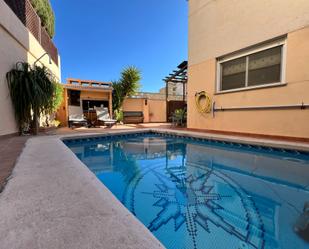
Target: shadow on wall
[21,37]
[14,40]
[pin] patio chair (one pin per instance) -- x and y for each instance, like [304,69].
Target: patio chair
[76,116]
[103,116]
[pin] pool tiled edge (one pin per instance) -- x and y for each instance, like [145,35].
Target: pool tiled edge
[216,138]
[259,145]
[68,206]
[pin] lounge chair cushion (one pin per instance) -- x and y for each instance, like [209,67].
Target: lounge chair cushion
[76,114]
[76,118]
[103,115]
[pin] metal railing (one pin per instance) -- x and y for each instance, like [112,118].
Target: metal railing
[88,83]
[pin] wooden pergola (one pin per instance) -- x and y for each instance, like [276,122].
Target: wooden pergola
[178,76]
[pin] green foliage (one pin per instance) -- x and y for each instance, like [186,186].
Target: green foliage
[180,116]
[117,96]
[42,91]
[58,96]
[19,83]
[45,12]
[118,115]
[129,80]
[180,113]
[126,86]
[32,92]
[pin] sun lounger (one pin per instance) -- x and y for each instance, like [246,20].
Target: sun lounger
[103,116]
[76,116]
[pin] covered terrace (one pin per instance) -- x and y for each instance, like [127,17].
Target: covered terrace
[84,95]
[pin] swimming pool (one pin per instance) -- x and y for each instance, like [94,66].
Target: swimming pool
[196,193]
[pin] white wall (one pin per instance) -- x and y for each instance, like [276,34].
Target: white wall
[16,44]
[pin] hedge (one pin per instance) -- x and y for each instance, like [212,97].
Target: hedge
[45,12]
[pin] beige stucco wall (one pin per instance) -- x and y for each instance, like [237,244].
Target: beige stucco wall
[16,44]
[154,111]
[220,27]
[94,95]
[157,111]
[139,105]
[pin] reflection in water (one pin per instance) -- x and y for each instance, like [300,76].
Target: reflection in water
[195,195]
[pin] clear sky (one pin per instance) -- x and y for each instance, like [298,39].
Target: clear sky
[97,38]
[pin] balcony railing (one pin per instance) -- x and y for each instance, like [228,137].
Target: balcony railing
[28,16]
[89,83]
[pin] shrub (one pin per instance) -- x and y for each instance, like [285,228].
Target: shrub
[45,12]
[33,92]
[118,115]
[58,96]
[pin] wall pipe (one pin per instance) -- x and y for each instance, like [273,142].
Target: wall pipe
[301,106]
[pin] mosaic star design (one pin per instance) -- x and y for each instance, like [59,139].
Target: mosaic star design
[191,201]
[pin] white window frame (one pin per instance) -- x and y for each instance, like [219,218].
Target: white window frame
[281,42]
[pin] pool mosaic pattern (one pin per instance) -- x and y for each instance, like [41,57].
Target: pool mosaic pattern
[194,193]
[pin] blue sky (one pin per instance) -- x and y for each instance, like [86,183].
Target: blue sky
[97,38]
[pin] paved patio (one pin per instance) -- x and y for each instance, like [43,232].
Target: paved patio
[10,149]
[102,129]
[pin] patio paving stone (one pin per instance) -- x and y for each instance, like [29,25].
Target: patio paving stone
[10,149]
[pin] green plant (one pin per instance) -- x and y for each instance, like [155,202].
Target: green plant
[58,96]
[180,115]
[126,86]
[117,96]
[45,12]
[19,83]
[32,92]
[118,115]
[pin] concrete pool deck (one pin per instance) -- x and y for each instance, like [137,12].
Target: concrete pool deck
[52,200]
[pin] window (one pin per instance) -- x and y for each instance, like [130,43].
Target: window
[251,69]
[74,97]
[90,104]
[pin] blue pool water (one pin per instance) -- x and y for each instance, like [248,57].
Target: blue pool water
[198,194]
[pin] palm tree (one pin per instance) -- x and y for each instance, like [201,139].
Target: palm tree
[32,93]
[126,86]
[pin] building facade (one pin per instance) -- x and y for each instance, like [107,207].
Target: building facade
[21,39]
[251,58]
[83,96]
